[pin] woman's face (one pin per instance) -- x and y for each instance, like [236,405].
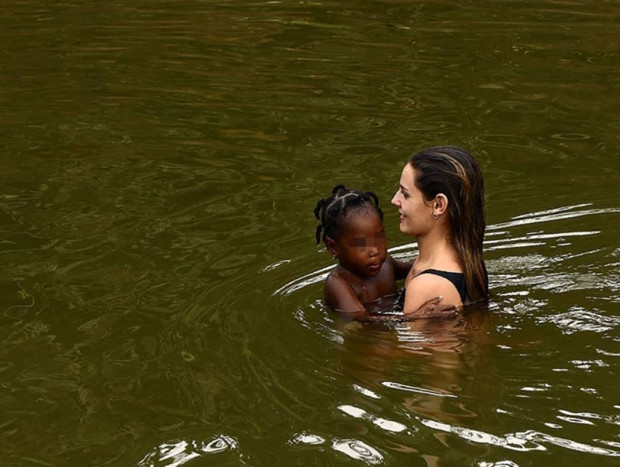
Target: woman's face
[415,212]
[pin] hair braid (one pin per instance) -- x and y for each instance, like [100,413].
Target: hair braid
[331,211]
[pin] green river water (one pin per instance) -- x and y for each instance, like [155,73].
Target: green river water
[159,283]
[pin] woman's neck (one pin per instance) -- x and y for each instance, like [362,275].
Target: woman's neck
[436,251]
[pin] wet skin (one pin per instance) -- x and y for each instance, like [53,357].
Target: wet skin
[365,271]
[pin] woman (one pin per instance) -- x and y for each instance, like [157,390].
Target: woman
[441,202]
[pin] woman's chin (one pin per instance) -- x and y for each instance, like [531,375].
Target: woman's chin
[404,229]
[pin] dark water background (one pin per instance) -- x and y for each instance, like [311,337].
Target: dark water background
[159,285]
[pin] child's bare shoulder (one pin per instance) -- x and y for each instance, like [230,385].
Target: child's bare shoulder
[342,281]
[338,276]
[340,292]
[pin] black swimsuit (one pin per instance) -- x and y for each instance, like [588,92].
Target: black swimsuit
[457,279]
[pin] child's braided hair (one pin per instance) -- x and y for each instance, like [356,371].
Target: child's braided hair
[332,211]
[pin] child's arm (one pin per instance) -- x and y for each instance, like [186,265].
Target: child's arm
[340,295]
[401,268]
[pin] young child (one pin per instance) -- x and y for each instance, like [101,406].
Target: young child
[351,226]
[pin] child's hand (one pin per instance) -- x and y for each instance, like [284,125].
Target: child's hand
[432,309]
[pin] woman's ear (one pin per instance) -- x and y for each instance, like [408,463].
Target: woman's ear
[332,246]
[440,204]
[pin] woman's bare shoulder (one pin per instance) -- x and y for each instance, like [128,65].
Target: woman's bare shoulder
[424,287]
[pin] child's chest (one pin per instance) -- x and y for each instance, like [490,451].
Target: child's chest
[373,288]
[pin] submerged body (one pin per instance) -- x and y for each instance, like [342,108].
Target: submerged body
[354,235]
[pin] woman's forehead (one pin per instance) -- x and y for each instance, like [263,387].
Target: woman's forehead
[407,176]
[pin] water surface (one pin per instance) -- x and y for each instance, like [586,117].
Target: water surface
[159,285]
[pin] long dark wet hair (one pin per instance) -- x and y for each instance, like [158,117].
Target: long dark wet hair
[331,212]
[455,173]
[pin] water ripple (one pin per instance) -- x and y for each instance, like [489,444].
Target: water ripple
[181,452]
[553,216]
[408,388]
[530,440]
[580,319]
[358,450]
[307,438]
[387,425]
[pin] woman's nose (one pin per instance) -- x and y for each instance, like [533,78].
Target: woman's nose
[394,199]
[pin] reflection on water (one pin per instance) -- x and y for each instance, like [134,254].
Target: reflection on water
[159,287]
[182,452]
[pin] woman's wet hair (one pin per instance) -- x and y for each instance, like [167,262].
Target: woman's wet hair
[332,212]
[455,173]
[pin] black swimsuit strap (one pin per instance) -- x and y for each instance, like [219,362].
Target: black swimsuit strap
[457,279]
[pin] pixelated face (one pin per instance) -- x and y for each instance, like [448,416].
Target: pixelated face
[361,247]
